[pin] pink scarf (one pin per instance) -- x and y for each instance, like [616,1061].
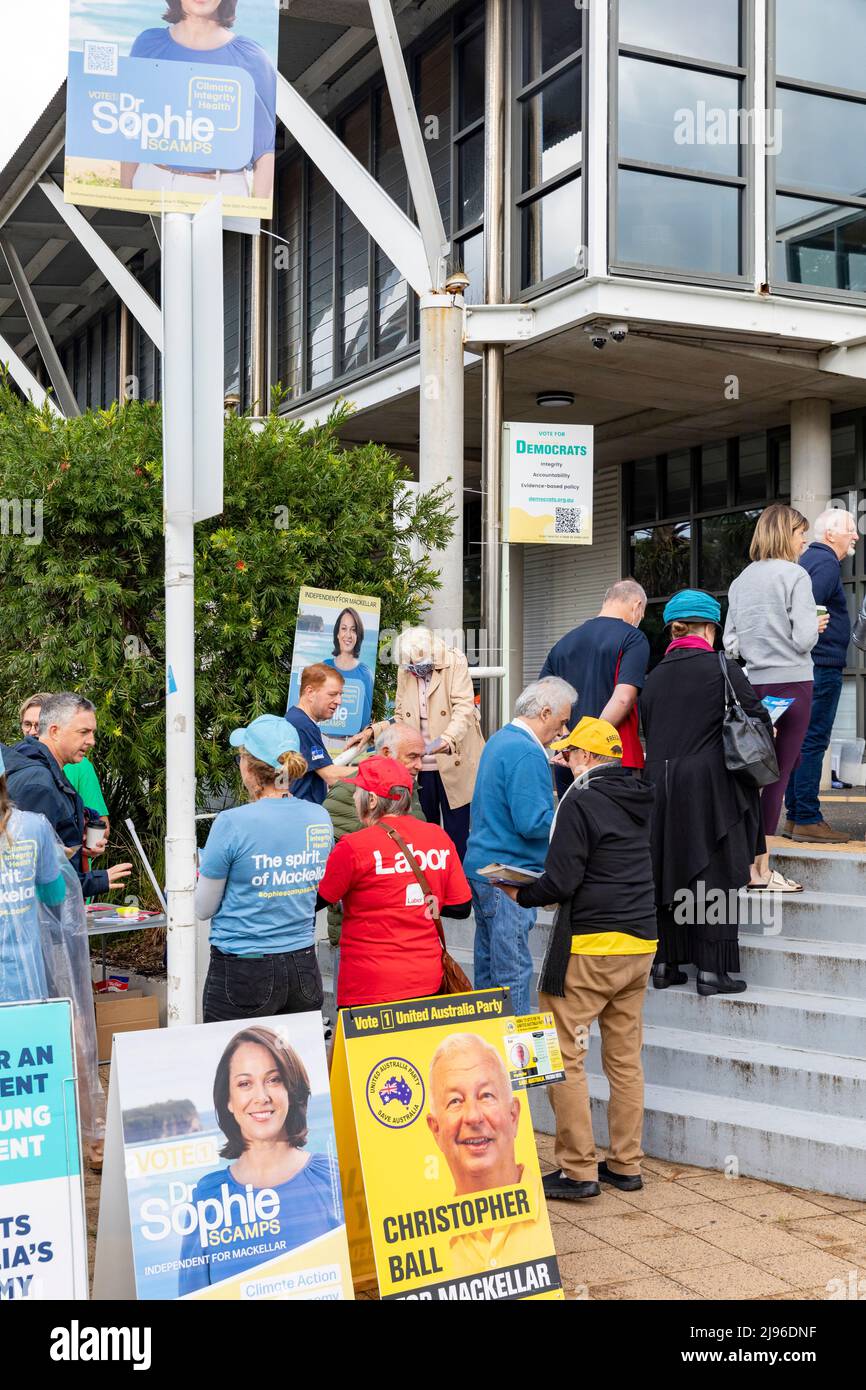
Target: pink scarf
[697,643]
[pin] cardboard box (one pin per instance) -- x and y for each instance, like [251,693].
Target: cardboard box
[129,1011]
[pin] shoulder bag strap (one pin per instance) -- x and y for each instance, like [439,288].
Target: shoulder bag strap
[429,895]
[730,692]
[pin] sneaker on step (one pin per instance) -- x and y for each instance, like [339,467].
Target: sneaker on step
[819,834]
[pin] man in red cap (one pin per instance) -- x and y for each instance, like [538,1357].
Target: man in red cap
[394,876]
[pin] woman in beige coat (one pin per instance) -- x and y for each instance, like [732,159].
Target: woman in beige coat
[435,696]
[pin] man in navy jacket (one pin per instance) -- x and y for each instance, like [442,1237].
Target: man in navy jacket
[835,539]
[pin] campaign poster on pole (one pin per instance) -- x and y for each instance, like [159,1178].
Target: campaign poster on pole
[43,1243]
[170,102]
[221,1166]
[341,630]
[548,483]
[424,1103]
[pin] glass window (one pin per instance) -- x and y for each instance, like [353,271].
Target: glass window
[552,234]
[391,305]
[642,501]
[783,469]
[354,255]
[820,244]
[472,251]
[661,558]
[713,477]
[724,548]
[470,67]
[678,483]
[678,223]
[752,469]
[683,27]
[320,281]
[822,142]
[844,456]
[551,31]
[433,101]
[552,129]
[287,283]
[822,43]
[470,179]
[679,117]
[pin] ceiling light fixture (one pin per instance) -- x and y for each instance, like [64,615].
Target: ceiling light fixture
[554,399]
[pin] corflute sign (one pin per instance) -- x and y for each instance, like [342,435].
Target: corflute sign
[549,483]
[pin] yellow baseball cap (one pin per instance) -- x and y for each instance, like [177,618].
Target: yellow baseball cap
[594,736]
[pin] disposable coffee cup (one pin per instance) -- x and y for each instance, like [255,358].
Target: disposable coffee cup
[821,610]
[94,834]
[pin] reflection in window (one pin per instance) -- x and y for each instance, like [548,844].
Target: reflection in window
[470,177]
[552,129]
[552,236]
[551,31]
[752,468]
[724,548]
[820,244]
[661,121]
[642,506]
[661,557]
[691,30]
[844,456]
[472,253]
[678,483]
[822,43]
[822,143]
[713,475]
[681,224]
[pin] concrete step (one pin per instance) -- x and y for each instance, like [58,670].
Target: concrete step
[813,916]
[822,870]
[829,1023]
[772,1142]
[749,1069]
[835,968]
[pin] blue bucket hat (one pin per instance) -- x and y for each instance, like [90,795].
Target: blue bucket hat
[266,738]
[692,606]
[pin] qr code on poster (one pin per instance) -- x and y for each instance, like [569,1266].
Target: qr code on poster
[567,521]
[100,59]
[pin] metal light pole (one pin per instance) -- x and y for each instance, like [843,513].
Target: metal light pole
[440,448]
[178,501]
[493,355]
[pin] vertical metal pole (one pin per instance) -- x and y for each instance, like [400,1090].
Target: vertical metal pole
[494,356]
[124,354]
[178,440]
[441,445]
[259,327]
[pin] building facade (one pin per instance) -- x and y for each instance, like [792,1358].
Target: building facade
[691,172]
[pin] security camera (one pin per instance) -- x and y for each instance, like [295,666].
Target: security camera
[597,335]
[619,332]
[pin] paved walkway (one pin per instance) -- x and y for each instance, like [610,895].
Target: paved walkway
[692,1233]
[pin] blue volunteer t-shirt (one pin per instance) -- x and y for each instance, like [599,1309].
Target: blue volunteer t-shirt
[272,854]
[588,656]
[310,787]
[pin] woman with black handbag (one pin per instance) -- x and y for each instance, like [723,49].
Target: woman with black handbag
[706,824]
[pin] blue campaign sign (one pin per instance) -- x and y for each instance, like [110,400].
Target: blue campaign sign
[144,111]
[43,1251]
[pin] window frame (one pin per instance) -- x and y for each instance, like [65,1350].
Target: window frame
[744,181]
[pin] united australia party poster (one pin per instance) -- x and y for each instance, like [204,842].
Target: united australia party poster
[171,103]
[230,1161]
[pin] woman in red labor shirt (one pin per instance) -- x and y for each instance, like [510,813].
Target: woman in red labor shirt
[390,947]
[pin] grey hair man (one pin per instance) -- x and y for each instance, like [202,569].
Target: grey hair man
[512,810]
[835,540]
[37,782]
[606,658]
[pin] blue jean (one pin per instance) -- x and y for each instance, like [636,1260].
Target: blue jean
[802,802]
[502,943]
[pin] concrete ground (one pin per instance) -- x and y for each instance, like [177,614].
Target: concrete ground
[696,1234]
[690,1234]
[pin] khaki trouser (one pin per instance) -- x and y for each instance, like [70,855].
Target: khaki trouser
[610,989]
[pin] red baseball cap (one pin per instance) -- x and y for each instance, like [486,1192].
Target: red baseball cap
[379,775]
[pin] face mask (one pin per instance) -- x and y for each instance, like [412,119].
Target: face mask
[422,669]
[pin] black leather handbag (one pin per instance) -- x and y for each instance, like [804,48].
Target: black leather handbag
[747,741]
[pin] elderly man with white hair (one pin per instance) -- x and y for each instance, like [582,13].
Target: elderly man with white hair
[835,533]
[512,811]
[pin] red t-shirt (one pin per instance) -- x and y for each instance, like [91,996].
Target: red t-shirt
[389,947]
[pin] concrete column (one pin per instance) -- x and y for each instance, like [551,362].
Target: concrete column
[441,446]
[811,439]
[512,656]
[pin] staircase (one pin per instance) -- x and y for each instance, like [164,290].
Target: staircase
[770,1083]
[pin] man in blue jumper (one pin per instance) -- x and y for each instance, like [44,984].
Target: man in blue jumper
[512,809]
[835,539]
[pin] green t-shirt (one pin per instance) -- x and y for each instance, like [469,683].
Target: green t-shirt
[85,781]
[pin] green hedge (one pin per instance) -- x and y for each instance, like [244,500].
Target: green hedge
[82,609]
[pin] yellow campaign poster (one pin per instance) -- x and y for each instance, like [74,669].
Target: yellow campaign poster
[455,1209]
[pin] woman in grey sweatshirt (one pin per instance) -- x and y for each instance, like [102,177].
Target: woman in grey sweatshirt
[772,626]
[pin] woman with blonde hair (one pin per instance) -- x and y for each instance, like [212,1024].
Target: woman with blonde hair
[435,696]
[258,877]
[772,626]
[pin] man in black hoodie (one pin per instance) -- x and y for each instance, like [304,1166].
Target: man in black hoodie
[36,781]
[601,951]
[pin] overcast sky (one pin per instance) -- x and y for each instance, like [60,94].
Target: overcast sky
[33,45]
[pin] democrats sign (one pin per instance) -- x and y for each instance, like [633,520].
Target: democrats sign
[170,104]
[549,483]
